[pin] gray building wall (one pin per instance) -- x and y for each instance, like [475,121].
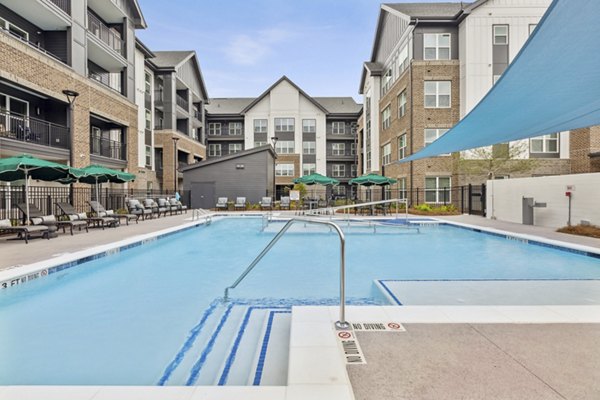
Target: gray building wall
[418,39]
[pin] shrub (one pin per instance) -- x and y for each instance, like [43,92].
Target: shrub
[423,207]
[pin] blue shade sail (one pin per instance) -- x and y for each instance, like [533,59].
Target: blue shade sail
[552,85]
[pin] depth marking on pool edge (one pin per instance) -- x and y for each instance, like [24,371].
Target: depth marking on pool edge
[350,347]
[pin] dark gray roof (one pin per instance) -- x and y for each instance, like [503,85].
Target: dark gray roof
[240,154]
[339,105]
[228,105]
[429,10]
[166,59]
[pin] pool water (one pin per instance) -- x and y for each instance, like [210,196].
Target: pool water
[119,320]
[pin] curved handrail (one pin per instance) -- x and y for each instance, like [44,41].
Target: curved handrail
[342,323]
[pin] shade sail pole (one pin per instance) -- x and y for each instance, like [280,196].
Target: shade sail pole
[27,196]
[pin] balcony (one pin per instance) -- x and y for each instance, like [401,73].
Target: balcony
[340,156]
[109,36]
[108,148]
[64,5]
[106,48]
[182,102]
[32,130]
[112,11]
[48,15]
[34,45]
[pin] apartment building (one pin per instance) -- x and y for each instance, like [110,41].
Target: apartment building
[431,63]
[87,47]
[310,134]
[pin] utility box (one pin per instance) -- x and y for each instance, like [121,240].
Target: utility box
[528,206]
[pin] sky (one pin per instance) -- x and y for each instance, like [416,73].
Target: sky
[244,46]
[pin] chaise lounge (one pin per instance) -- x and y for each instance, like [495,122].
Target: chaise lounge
[37,217]
[240,203]
[266,203]
[70,211]
[100,211]
[23,231]
[222,204]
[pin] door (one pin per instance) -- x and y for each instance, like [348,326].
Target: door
[203,195]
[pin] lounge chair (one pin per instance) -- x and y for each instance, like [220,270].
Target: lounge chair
[70,211]
[240,203]
[24,231]
[180,207]
[285,203]
[100,211]
[136,208]
[164,203]
[156,209]
[37,217]
[222,204]
[266,203]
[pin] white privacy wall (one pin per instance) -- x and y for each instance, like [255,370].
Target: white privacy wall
[504,199]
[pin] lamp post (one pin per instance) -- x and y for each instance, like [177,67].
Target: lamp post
[274,140]
[175,139]
[71,96]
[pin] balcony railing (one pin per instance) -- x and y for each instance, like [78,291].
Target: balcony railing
[182,102]
[108,148]
[197,115]
[32,130]
[34,45]
[64,5]
[158,95]
[109,36]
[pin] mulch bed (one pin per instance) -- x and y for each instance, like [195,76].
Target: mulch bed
[582,230]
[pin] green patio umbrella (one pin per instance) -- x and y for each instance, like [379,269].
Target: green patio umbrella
[372,180]
[96,174]
[26,166]
[317,179]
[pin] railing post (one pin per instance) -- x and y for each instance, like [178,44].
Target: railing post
[470,196]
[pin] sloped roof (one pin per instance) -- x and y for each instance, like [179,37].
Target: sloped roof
[429,10]
[228,105]
[228,157]
[171,59]
[339,105]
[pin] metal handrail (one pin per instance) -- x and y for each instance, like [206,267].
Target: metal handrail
[198,213]
[342,323]
[332,210]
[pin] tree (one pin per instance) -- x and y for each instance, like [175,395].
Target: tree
[498,160]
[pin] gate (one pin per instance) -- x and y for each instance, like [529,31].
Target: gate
[476,199]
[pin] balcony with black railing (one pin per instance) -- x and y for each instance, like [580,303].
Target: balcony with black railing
[36,46]
[182,102]
[64,5]
[33,130]
[108,148]
[109,36]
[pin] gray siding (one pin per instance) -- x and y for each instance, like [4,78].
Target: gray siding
[418,39]
[392,29]
[187,73]
[499,56]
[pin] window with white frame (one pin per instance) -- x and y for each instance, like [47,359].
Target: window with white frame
[235,128]
[544,144]
[402,104]
[338,149]
[386,81]
[338,128]
[284,169]
[436,46]
[214,128]
[258,143]
[309,168]
[437,94]
[285,147]
[309,125]
[352,149]
[339,190]
[260,126]
[432,134]
[284,124]
[148,156]
[309,147]
[437,189]
[148,118]
[501,34]
[353,170]
[147,82]
[402,60]
[401,146]
[402,188]
[235,148]
[15,30]
[386,154]
[214,150]
[386,117]
[338,170]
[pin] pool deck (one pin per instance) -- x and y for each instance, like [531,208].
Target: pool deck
[446,352]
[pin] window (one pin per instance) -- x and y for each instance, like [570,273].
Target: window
[501,34]
[353,170]
[338,149]
[386,154]
[436,189]
[402,188]
[401,146]
[532,28]
[338,128]
[259,143]
[148,156]
[309,125]
[338,170]
[309,147]
[402,60]
[386,116]
[15,30]
[284,169]
[214,150]
[148,119]
[402,104]
[235,128]
[214,128]
[386,81]
[148,83]
[284,124]
[544,144]
[437,94]
[352,149]
[308,169]
[285,147]
[437,46]
[339,190]
[260,126]
[431,135]
[235,148]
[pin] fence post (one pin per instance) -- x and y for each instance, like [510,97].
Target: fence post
[462,199]
[49,208]
[417,196]
[470,195]
[445,195]
[483,200]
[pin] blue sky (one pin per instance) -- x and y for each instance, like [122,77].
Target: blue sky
[246,45]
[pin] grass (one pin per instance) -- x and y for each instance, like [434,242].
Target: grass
[581,230]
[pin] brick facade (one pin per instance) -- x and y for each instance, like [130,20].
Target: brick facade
[583,142]
[164,139]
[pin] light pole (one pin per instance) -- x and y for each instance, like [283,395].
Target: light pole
[71,96]
[175,139]
[274,140]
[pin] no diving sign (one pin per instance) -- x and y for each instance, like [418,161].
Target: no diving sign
[378,327]
[352,352]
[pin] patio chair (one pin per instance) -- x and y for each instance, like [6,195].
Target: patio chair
[136,208]
[162,202]
[24,231]
[156,209]
[37,217]
[180,206]
[70,211]
[285,203]
[100,211]
[222,204]
[266,203]
[240,203]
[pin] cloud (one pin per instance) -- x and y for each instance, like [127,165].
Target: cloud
[245,49]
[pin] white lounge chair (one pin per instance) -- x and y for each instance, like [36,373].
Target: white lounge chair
[266,203]
[222,204]
[240,203]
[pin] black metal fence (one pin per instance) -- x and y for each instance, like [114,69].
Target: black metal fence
[45,198]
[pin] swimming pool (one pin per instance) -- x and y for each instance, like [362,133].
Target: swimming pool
[122,319]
